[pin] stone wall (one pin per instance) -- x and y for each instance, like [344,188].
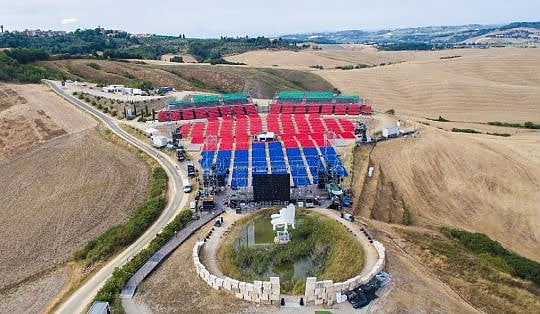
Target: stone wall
[265,292]
[324,292]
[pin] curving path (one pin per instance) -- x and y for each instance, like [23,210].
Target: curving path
[80,299]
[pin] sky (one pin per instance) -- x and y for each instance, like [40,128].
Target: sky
[211,19]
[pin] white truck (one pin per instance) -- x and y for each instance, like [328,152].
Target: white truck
[159,141]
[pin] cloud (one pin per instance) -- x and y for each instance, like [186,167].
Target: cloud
[69,21]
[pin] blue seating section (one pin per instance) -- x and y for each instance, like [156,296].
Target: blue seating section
[258,158]
[314,162]
[298,168]
[277,160]
[223,161]
[240,169]
[333,161]
[207,159]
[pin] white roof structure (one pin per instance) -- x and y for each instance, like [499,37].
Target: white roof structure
[150,131]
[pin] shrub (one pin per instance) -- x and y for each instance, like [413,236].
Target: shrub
[390,111]
[500,134]
[466,131]
[439,119]
[407,217]
[317,66]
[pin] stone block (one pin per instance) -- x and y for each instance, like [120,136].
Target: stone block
[318,302]
[328,283]
[267,287]
[219,282]
[257,286]
[274,280]
[239,295]
[247,297]
[329,302]
[265,297]
[330,291]
[227,283]
[256,298]
[310,283]
[242,286]
[250,287]
[234,284]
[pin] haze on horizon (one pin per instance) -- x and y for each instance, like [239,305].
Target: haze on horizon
[205,18]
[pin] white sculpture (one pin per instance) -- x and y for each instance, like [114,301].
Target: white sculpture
[284,218]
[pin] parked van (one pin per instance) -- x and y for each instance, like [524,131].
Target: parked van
[187,186]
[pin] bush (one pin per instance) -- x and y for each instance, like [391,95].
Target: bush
[390,111]
[500,134]
[320,67]
[466,131]
[345,67]
[407,217]
[439,119]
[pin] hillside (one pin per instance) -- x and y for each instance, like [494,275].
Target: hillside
[261,83]
[59,187]
[430,35]
[496,84]
[330,56]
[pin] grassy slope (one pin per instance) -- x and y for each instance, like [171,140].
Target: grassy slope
[261,83]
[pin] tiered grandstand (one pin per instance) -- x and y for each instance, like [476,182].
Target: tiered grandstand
[208,106]
[304,148]
[318,102]
[227,126]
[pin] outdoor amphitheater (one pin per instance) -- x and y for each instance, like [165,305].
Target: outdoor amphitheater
[303,128]
[291,151]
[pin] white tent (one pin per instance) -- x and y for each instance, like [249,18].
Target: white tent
[151,131]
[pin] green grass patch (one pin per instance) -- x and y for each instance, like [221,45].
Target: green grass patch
[335,252]
[466,131]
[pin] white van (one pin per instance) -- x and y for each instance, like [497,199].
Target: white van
[186,185]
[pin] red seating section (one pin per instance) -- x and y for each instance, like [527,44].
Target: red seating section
[327,109]
[235,132]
